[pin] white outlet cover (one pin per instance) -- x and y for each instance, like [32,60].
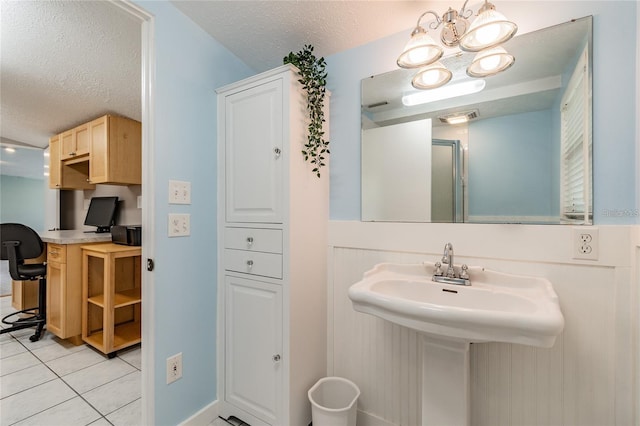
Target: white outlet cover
[174,368]
[585,243]
[179,225]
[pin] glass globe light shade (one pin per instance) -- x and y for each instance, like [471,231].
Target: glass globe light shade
[489,29]
[421,50]
[431,77]
[490,62]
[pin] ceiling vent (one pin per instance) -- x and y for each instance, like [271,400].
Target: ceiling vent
[459,117]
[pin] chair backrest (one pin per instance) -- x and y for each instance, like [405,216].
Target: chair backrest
[30,245]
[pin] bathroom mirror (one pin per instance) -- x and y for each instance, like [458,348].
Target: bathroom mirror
[523,156]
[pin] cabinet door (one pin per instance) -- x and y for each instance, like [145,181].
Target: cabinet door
[55,177]
[75,142]
[56,279]
[254,154]
[253,345]
[67,145]
[81,139]
[98,160]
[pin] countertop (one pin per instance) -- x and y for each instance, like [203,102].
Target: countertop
[74,237]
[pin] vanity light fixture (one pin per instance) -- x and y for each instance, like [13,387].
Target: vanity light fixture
[487,31]
[451,91]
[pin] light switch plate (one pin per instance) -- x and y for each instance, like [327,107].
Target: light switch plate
[179,192]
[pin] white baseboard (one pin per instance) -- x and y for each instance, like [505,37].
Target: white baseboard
[204,417]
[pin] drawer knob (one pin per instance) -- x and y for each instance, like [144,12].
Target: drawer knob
[277,151]
[249,264]
[249,241]
[276,358]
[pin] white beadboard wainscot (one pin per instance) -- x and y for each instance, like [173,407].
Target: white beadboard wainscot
[587,378]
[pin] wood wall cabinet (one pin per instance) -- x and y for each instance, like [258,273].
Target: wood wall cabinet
[107,150]
[69,174]
[273,277]
[74,143]
[111,296]
[64,291]
[115,154]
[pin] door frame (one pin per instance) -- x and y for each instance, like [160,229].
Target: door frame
[148,62]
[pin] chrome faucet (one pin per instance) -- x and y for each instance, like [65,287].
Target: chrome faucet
[447,259]
[450,276]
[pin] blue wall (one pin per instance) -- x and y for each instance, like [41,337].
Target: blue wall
[190,65]
[22,200]
[614,114]
[510,171]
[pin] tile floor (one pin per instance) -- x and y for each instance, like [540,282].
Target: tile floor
[51,382]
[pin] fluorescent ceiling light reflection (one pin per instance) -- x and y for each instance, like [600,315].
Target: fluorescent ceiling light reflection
[446,92]
[458,120]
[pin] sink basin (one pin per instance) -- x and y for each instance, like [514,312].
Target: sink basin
[497,307]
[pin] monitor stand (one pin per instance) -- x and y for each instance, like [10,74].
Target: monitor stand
[103,229]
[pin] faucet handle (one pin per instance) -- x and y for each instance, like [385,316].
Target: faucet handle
[464,274]
[438,272]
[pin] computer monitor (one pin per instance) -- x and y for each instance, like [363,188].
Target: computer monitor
[102,213]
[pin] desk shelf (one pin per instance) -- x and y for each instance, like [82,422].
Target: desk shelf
[112,296]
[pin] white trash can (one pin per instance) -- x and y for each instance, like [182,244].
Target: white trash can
[334,402]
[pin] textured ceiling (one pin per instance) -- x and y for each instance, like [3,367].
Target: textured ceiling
[64,63]
[261,33]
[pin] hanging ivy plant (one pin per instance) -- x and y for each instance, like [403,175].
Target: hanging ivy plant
[313,77]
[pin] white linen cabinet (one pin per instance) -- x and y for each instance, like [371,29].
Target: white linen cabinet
[272,245]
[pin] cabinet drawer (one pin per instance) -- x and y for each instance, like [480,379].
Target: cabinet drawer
[253,239]
[56,253]
[255,263]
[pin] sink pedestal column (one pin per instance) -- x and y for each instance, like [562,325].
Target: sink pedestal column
[445,382]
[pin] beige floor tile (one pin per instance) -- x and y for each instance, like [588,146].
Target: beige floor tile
[34,400]
[69,413]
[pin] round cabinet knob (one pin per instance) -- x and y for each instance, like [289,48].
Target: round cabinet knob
[72,153]
[249,264]
[249,241]
[277,151]
[276,358]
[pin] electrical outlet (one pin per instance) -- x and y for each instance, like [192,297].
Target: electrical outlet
[585,243]
[179,192]
[179,225]
[174,368]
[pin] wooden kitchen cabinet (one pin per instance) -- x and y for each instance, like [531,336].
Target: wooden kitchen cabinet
[74,143]
[107,150]
[64,291]
[115,153]
[69,174]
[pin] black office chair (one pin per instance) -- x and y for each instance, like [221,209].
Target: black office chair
[19,242]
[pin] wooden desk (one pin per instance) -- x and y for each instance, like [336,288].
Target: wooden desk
[111,296]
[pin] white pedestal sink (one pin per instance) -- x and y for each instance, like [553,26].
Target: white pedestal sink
[497,307]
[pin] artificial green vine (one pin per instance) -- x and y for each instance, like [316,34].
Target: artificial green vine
[313,77]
